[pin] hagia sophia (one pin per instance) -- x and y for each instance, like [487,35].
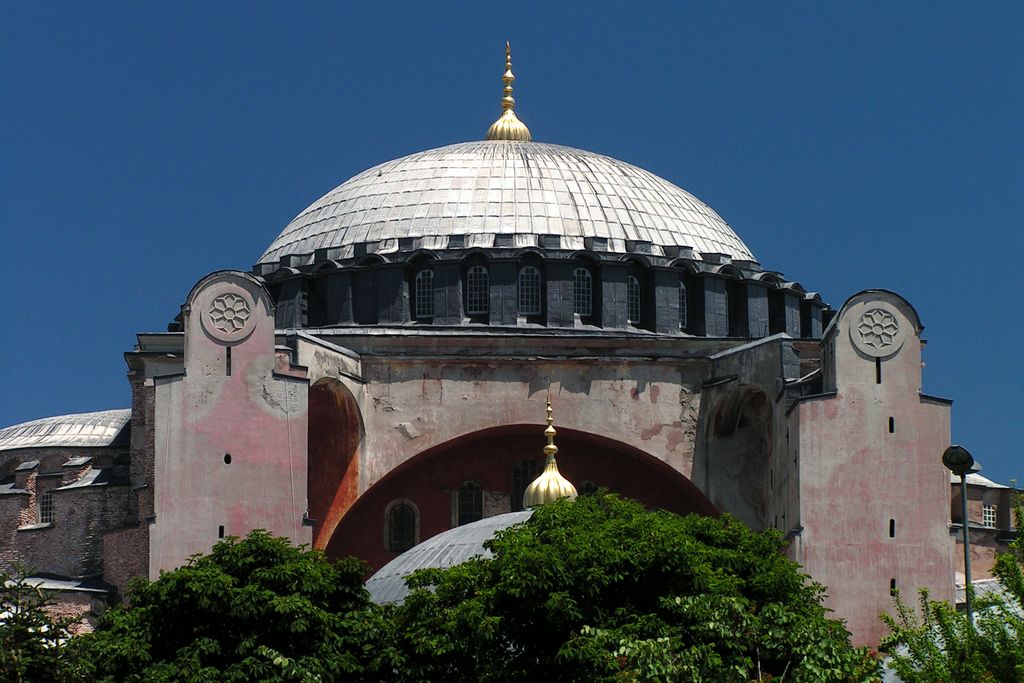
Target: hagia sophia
[382,375]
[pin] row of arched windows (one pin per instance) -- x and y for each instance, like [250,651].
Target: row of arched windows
[529,293]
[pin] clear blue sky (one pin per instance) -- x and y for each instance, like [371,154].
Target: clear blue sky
[851,145]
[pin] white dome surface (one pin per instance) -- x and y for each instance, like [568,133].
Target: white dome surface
[479,190]
[447,549]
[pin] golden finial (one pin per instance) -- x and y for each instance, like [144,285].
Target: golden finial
[550,485]
[508,126]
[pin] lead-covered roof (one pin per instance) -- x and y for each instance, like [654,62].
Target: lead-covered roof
[479,190]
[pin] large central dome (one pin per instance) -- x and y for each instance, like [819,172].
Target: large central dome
[478,191]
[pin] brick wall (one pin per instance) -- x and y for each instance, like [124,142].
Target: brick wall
[125,555]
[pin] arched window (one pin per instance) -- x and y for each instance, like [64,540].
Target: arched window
[529,291]
[632,300]
[582,292]
[523,474]
[478,294]
[471,503]
[424,294]
[682,306]
[401,527]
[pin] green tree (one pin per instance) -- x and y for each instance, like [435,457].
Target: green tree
[943,645]
[30,637]
[253,609]
[602,590]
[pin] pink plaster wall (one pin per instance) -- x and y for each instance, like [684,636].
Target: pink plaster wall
[257,414]
[855,476]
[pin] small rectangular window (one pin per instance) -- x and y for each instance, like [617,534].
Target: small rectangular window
[878,371]
[892,586]
[227,361]
[892,528]
[988,516]
[529,291]
[478,297]
[220,531]
[424,294]
[46,508]
[632,300]
[892,425]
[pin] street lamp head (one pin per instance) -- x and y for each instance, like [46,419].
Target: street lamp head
[958,460]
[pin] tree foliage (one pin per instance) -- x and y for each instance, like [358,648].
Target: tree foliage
[30,637]
[253,609]
[943,645]
[602,590]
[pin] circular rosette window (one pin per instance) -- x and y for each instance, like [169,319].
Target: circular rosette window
[230,315]
[876,329]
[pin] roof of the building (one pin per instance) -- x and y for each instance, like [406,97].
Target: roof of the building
[82,429]
[478,190]
[11,488]
[975,479]
[444,550]
[92,477]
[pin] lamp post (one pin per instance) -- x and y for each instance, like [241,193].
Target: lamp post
[959,461]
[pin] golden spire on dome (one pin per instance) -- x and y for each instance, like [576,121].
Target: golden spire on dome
[508,126]
[550,485]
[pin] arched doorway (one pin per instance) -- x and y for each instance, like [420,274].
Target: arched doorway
[444,484]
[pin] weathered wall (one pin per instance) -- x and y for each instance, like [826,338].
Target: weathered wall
[70,544]
[414,404]
[230,440]
[856,473]
[986,542]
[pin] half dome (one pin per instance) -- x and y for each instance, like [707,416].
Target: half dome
[478,191]
[447,549]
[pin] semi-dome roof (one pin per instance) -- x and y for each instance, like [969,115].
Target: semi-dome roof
[97,429]
[479,190]
[447,549]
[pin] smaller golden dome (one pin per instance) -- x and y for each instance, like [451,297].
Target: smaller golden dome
[508,126]
[550,485]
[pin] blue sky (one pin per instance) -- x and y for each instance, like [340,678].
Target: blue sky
[851,145]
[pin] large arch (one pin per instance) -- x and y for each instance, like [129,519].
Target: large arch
[431,480]
[334,440]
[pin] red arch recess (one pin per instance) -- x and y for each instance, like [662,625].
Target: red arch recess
[335,434]
[487,457]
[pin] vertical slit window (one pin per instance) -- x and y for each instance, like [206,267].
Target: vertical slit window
[892,586]
[682,306]
[878,371]
[471,503]
[478,295]
[46,508]
[529,291]
[401,528]
[892,425]
[582,292]
[892,528]
[227,361]
[632,300]
[220,531]
[523,474]
[424,287]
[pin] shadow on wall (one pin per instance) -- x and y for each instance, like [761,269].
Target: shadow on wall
[733,455]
